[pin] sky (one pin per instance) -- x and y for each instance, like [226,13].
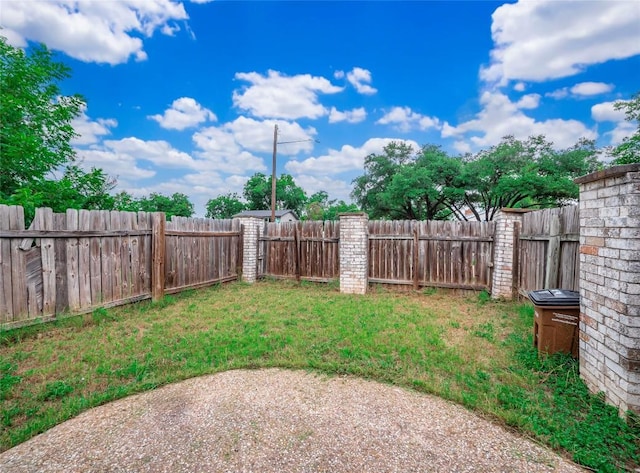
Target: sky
[183,96]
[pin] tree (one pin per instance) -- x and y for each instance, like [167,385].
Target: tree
[628,151]
[402,184]
[35,131]
[77,189]
[257,192]
[319,207]
[518,173]
[379,170]
[225,206]
[178,204]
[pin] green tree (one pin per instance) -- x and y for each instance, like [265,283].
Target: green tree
[125,202]
[76,189]
[225,206]
[403,184]
[178,204]
[35,131]
[517,173]
[628,151]
[379,170]
[290,196]
[319,207]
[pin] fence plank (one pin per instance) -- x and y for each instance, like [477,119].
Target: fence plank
[48,261]
[84,260]
[157,276]
[6,291]
[60,248]
[73,285]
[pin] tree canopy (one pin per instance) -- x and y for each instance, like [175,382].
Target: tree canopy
[36,131]
[628,151]
[257,192]
[429,184]
[225,206]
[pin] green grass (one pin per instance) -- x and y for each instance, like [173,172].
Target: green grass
[468,349]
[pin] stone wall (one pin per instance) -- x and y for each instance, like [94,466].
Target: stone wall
[610,284]
[354,252]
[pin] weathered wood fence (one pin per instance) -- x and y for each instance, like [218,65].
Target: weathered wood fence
[80,260]
[439,254]
[300,250]
[547,249]
[431,253]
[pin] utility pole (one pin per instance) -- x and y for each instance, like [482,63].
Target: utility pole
[273,168]
[273,174]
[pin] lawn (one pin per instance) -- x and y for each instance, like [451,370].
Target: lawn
[467,349]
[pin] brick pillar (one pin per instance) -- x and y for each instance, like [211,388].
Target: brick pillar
[252,230]
[503,252]
[354,252]
[610,284]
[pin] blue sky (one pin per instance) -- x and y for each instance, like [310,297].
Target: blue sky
[183,96]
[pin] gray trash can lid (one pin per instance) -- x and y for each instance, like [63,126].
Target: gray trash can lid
[549,297]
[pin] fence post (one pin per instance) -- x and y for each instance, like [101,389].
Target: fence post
[158,223]
[504,247]
[251,233]
[610,284]
[354,252]
[553,253]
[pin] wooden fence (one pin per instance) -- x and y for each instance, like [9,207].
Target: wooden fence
[81,260]
[444,254]
[300,250]
[431,253]
[547,250]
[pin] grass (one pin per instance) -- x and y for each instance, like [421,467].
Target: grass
[468,349]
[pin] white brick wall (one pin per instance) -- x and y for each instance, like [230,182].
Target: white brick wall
[354,251]
[252,227]
[610,284]
[502,284]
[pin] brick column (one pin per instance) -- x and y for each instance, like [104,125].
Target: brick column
[503,252]
[252,230]
[610,284]
[354,252]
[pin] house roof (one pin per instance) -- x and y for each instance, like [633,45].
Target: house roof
[264,213]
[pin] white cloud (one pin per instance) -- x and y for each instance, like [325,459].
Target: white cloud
[91,31]
[218,150]
[519,87]
[257,136]
[558,94]
[592,88]
[279,96]
[405,119]
[605,112]
[114,163]
[159,152]
[91,131]
[547,39]
[339,74]
[347,158]
[337,189]
[356,115]
[361,78]
[500,117]
[184,112]
[529,101]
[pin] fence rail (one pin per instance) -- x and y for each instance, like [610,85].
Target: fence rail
[80,260]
